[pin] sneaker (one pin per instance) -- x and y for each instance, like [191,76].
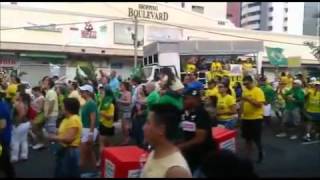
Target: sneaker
[307,138]
[293,137]
[37,146]
[281,135]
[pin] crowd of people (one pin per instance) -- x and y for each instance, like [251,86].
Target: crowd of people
[171,119]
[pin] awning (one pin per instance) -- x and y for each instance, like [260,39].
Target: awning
[43,55]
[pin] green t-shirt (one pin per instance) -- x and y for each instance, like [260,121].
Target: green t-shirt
[269,93]
[152,99]
[89,107]
[173,99]
[298,95]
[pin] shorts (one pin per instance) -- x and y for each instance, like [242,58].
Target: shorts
[125,115]
[106,131]
[251,129]
[267,110]
[85,134]
[229,124]
[51,125]
[292,117]
[314,117]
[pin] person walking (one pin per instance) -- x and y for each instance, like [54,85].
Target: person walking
[252,116]
[90,121]
[269,95]
[294,99]
[68,141]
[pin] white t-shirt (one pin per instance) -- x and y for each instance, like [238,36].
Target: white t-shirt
[157,168]
[51,95]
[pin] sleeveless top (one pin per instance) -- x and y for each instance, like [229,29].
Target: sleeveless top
[157,168]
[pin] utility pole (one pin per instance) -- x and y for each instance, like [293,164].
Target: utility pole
[135,41]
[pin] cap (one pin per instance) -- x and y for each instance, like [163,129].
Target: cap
[192,93]
[297,81]
[100,86]
[313,79]
[86,87]
[317,83]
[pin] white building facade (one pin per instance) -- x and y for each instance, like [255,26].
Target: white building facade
[101,33]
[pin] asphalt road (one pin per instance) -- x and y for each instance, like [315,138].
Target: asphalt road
[284,158]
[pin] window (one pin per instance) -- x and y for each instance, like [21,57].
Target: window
[254,4]
[221,23]
[286,10]
[150,60]
[254,22]
[254,13]
[270,18]
[229,15]
[183,4]
[285,29]
[155,59]
[286,19]
[270,28]
[198,9]
[270,9]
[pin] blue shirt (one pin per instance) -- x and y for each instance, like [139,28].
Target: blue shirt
[5,134]
[195,85]
[114,84]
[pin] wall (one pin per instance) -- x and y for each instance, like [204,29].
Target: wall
[234,9]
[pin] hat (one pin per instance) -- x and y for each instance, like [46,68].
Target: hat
[317,83]
[86,87]
[297,81]
[313,79]
[192,93]
[100,86]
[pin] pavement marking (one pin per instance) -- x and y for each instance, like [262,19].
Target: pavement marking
[312,142]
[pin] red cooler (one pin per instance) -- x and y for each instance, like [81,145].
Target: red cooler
[225,138]
[121,162]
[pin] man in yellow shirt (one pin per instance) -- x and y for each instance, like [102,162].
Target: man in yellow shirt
[216,65]
[252,116]
[313,110]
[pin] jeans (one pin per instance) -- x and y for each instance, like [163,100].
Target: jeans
[51,125]
[67,163]
[292,117]
[19,141]
[137,125]
[229,124]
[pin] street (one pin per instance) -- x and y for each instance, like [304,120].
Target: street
[283,158]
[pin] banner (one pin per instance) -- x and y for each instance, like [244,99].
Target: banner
[236,69]
[123,33]
[276,57]
[162,33]
[294,61]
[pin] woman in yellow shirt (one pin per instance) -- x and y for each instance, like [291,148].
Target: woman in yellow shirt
[313,109]
[226,107]
[106,127]
[68,141]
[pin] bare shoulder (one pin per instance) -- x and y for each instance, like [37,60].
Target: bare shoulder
[178,172]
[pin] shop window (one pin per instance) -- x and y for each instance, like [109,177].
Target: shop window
[198,9]
[271,9]
[155,59]
[270,28]
[150,60]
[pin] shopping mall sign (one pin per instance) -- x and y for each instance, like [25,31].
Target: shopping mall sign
[88,31]
[148,12]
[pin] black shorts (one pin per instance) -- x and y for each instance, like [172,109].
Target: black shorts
[251,129]
[105,131]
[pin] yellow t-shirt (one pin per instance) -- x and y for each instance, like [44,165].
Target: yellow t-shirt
[191,68]
[247,66]
[212,92]
[12,90]
[313,101]
[251,112]
[108,112]
[72,122]
[215,66]
[224,104]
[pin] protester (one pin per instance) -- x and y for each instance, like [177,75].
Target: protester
[269,95]
[166,160]
[90,120]
[226,107]
[252,116]
[294,99]
[74,93]
[280,101]
[21,126]
[193,83]
[13,88]
[38,122]
[107,110]
[5,138]
[313,111]
[68,138]
[124,103]
[114,82]
[196,126]
[169,81]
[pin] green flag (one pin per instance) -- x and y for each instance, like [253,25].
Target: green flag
[276,57]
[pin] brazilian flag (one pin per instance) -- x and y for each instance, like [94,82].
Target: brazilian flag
[276,57]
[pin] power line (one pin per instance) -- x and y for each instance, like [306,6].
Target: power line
[223,34]
[64,24]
